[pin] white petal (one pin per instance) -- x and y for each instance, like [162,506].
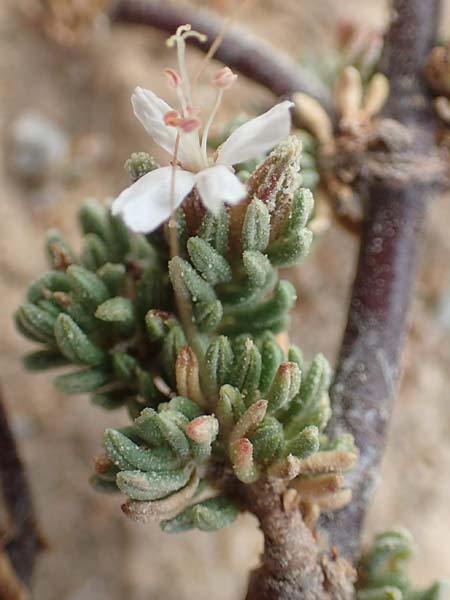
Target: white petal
[217,185]
[150,111]
[147,203]
[257,136]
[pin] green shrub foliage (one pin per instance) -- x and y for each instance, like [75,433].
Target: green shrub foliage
[213,399]
[383,571]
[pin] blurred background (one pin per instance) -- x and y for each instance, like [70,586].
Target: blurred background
[66,129]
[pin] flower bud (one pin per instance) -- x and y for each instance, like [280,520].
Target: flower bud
[187,376]
[203,430]
[241,454]
[285,386]
[252,417]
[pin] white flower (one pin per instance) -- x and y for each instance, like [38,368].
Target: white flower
[148,202]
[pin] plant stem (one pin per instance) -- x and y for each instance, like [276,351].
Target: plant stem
[26,541]
[292,567]
[368,368]
[239,50]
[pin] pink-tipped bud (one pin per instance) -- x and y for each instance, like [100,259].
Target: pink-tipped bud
[172,119]
[241,454]
[203,430]
[190,124]
[243,451]
[224,78]
[173,78]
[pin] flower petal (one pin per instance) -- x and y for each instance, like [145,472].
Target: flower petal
[146,204]
[150,111]
[217,185]
[257,136]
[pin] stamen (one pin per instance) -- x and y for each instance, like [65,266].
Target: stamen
[224,78]
[209,123]
[172,119]
[173,77]
[193,111]
[183,33]
[190,124]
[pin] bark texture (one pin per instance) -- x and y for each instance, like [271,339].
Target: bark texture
[292,567]
[398,183]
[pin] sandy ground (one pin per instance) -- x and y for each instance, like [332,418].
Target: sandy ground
[95,553]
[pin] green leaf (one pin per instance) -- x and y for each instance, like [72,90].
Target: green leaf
[35,323]
[147,388]
[305,443]
[147,426]
[93,219]
[139,164]
[124,366]
[286,251]
[219,360]
[269,315]
[151,291]
[302,207]
[95,252]
[267,439]
[75,345]
[183,405]
[110,400]
[381,593]
[208,315]
[214,514]
[113,276]
[173,342]
[271,358]
[44,359]
[156,322]
[89,289]
[285,386]
[258,268]
[246,371]
[296,355]
[173,433]
[214,230]
[127,455]
[79,382]
[212,266]
[152,486]
[182,273]
[117,310]
[256,227]
[316,382]
[58,251]
[52,281]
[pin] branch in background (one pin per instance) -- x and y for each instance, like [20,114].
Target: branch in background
[368,368]
[26,541]
[239,50]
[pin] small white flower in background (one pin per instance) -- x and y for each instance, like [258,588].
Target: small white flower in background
[149,202]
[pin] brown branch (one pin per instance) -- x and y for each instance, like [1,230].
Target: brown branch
[292,567]
[239,50]
[26,541]
[368,368]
